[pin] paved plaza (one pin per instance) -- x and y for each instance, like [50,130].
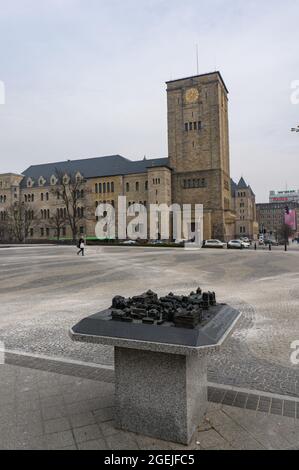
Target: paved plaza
[57,394]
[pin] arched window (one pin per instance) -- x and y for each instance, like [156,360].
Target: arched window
[96,188]
[128,187]
[112,187]
[104,187]
[100,188]
[108,187]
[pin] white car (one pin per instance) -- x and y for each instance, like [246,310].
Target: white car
[245,244]
[213,244]
[235,245]
[130,242]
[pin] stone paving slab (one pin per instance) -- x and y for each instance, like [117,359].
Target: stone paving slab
[40,304]
[48,410]
[242,398]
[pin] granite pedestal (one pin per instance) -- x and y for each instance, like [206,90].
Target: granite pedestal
[160,371]
[158,394]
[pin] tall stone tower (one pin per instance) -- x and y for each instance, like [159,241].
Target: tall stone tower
[198,146]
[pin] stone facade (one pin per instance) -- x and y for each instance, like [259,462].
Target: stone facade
[197,170]
[243,200]
[198,145]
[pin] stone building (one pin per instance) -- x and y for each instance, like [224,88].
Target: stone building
[243,201]
[198,149]
[197,170]
[271,218]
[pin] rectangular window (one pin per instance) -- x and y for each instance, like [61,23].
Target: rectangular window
[190,126]
[186,127]
[195,126]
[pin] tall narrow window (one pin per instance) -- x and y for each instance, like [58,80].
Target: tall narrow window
[190,126]
[112,187]
[108,187]
[96,188]
[137,186]
[127,187]
[186,126]
[104,187]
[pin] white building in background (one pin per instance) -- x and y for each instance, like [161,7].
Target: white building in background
[291,195]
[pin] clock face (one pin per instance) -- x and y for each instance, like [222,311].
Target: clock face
[192,95]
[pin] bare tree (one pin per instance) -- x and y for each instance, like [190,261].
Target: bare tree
[20,219]
[71,189]
[4,228]
[57,221]
[285,232]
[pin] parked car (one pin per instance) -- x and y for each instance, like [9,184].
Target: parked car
[245,240]
[235,245]
[213,244]
[245,244]
[130,242]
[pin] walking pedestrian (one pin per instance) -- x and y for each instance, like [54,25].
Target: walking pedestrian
[81,247]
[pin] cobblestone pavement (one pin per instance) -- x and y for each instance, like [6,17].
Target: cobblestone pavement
[45,290]
[44,410]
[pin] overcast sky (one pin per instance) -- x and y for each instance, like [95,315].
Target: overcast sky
[87,78]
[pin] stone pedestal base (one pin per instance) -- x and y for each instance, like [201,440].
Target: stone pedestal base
[158,394]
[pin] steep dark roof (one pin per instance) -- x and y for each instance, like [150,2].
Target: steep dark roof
[93,167]
[234,187]
[250,188]
[242,184]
